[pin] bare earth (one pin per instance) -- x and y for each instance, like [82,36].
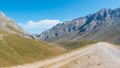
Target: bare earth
[99,55]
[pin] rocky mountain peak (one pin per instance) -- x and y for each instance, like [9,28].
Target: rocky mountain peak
[97,24]
[103,10]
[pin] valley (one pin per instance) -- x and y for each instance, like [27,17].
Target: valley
[91,41]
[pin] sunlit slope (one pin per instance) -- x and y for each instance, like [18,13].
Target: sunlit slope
[15,49]
[19,47]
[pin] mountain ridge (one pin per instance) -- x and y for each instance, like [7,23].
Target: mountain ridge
[79,28]
[8,25]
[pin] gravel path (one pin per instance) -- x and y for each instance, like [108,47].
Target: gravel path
[99,55]
[103,55]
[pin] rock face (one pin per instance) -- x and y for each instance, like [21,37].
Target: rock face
[101,25]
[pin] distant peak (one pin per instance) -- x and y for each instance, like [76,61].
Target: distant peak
[103,10]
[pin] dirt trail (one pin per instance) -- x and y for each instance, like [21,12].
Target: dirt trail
[103,55]
[99,55]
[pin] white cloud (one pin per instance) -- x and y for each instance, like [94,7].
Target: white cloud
[39,26]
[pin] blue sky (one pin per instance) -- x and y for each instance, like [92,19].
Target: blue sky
[36,16]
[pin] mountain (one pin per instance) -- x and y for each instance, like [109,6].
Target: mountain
[18,46]
[8,25]
[103,25]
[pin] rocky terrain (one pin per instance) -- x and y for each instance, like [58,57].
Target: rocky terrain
[100,26]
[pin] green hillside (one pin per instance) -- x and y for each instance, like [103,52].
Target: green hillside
[15,50]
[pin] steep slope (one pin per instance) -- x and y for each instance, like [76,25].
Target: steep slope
[100,26]
[8,25]
[18,47]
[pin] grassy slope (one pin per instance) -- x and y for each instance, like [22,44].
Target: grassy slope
[18,50]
